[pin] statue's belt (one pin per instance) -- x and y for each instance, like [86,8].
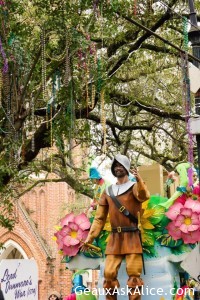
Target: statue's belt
[124,229]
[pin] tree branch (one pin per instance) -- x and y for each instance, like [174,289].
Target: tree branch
[139,42]
[142,105]
[158,112]
[96,119]
[30,74]
[41,140]
[130,35]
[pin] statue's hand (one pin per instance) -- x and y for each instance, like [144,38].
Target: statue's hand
[86,244]
[135,173]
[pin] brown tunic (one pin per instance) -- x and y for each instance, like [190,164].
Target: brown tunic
[123,242]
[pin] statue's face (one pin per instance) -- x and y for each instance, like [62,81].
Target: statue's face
[94,181]
[119,170]
[53,297]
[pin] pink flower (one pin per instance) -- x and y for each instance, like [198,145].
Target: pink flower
[72,234]
[172,176]
[193,204]
[70,297]
[175,232]
[174,211]
[192,237]
[181,199]
[196,190]
[185,221]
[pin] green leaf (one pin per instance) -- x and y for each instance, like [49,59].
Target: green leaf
[149,251]
[157,233]
[66,259]
[157,215]
[183,248]
[148,238]
[92,254]
[80,272]
[156,200]
[168,241]
[163,222]
[101,240]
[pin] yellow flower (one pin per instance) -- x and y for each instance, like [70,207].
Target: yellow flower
[144,219]
[107,225]
[145,222]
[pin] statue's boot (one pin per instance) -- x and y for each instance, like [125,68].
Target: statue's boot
[111,295]
[135,294]
[110,288]
[135,287]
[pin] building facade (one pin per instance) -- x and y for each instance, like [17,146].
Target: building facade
[37,214]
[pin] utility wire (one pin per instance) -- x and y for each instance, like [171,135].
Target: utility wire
[158,36]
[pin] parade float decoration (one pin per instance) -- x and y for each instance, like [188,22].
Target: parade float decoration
[170,230]
[72,233]
[184,221]
[79,291]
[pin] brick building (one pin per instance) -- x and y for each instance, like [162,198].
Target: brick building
[38,211]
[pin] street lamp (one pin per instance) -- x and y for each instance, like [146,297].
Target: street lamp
[194,38]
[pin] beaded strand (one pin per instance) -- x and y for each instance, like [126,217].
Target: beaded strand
[33,123]
[1,85]
[103,120]
[67,63]
[44,71]
[186,83]
[5,60]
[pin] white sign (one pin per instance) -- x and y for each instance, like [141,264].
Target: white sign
[19,279]
[194,75]
[191,264]
[194,125]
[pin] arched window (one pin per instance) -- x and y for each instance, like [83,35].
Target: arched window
[12,250]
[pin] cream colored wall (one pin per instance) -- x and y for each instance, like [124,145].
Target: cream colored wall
[155,177]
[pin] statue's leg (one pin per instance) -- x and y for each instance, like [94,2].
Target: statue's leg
[112,264]
[134,270]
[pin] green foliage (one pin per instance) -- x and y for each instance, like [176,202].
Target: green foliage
[90,47]
[159,236]
[156,200]
[168,241]
[66,259]
[79,272]
[182,249]
[149,251]
[158,215]
[91,253]
[102,240]
[149,239]
[163,223]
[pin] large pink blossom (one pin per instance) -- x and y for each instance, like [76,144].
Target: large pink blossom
[74,230]
[185,223]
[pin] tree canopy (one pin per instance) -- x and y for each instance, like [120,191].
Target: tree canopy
[91,77]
